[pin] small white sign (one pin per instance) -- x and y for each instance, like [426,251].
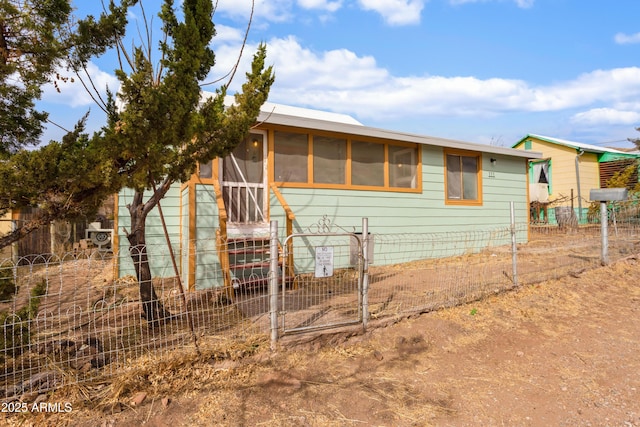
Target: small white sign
[324,261]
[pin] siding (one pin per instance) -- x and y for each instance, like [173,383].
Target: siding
[207,262]
[391,212]
[157,247]
[412,214]
[185,248]
[563,169]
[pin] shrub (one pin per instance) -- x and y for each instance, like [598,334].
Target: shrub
[8,288]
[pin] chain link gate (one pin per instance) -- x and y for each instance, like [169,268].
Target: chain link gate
[326,285]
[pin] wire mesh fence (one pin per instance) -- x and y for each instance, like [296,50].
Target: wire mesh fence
[70,319]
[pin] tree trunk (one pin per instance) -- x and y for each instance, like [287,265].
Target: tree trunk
[152,308]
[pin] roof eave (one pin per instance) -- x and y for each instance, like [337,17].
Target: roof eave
[359,130]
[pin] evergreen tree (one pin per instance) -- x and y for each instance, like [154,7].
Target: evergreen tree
[36,38]
[30,49]
[163,129]
[63,179]
[66,179]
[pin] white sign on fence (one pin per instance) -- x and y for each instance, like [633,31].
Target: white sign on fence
[324,261]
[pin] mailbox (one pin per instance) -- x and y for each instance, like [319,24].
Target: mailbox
[608,194]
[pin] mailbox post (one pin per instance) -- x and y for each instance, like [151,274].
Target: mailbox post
[604,195]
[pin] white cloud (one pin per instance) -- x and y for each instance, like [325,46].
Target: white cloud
[226,34]
[74,94]
[622,38]
[395,12]
[524,4]
[341,81]
[329,6]
[607,116]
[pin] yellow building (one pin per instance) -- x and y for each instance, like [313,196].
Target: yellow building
[569,170]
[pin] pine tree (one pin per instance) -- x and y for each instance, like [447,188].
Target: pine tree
[36,38]
[66,179]
[164,130]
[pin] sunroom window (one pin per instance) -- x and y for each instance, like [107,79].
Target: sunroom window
[302,160]
[329,160]
[367,164]
[291,154]
[402,167]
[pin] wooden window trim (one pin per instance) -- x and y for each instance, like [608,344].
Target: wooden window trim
[348,167]
[462,202]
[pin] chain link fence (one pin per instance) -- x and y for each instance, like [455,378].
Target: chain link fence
[68,319]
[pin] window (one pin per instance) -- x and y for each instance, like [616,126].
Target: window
[307,160]
[329,160]
[402,167]
[463,180]
[367,164]
[540,175]
[290,160]
[540,171]
[205,170]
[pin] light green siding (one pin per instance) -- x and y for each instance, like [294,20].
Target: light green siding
[184,237]
[393,212]
[157,246]
[208,272]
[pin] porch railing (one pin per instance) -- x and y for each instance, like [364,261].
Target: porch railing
[290,216]
[244,201]
[221,240]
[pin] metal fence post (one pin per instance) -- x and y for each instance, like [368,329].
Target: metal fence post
[365,272]
[604,234]
[514,247]
[273,281]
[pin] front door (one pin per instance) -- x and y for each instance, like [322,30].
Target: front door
[244,181]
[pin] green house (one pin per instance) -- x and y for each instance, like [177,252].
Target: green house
[298,166]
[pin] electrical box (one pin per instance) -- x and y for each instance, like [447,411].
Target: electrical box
[608,194]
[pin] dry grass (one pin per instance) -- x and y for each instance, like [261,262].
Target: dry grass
[229,370]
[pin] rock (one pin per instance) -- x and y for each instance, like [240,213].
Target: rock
[39,399]
[378,355]
[90,353]
[29,397]
[165,402]
[138,398]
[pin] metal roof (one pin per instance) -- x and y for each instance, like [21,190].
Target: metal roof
[289,110]
[576,145]
[285,115]
[271,116]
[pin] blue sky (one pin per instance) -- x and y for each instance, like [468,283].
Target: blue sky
[484,71]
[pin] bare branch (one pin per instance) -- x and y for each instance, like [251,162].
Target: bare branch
[233,70]
[57,125]
[98,101]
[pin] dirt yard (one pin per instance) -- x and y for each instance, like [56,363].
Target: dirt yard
[559,353]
